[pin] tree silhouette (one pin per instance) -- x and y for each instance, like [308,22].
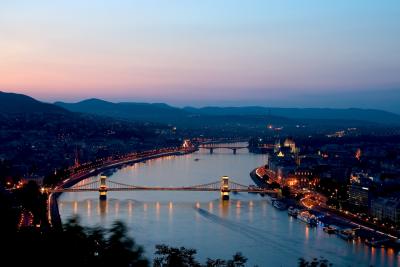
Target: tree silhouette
[183,257]
[321,262]
[174,257]
[73,245]
[238,260]
[121,250]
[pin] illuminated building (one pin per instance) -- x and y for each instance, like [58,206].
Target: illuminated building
[305,177]
[359,196]
[289,142]
[187,144]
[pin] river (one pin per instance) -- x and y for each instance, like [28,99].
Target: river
[247,223]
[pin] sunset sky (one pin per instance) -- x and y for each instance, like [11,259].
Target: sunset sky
[203,52]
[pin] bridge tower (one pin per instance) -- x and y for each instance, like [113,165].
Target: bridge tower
[103,188]
[225,188]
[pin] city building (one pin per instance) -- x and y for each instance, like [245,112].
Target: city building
[289,142]
[359,196]
[306,177]
[386,209]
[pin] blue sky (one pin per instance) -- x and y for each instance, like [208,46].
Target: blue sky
[294,52]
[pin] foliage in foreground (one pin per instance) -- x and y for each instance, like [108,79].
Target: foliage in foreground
[75,245]
[321,262]
[182,257]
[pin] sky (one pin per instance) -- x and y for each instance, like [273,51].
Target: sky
[333,53]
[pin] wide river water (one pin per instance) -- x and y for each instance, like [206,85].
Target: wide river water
[247,223]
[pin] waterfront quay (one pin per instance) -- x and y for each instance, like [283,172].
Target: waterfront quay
[344,224]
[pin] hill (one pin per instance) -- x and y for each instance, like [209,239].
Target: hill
[36,138]
[351,114]
[156,112]
[163,113]
[18,103]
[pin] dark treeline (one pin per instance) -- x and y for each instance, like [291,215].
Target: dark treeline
[74,245]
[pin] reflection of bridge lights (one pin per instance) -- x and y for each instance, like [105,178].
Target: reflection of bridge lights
[75,207]
[130,208]
[116,208]
[224,208]
[210,207]
[264,207]
[145,206]
[197,205]
[103,207]
[238,204]
[157,211]
[251,205]
[89,208]
[170,211]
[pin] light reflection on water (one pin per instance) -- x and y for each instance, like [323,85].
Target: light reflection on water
[217,229]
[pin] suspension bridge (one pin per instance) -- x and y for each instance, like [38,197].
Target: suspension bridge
[103,185]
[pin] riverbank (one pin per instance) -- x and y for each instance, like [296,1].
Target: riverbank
[257,179]
[259,175]
[53,211]
[360,230]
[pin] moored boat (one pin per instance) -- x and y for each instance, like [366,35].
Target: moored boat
[307,217]
[293,211]
[330,229]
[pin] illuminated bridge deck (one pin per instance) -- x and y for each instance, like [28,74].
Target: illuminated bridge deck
[115,186]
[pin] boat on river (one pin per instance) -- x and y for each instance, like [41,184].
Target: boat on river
[307,217]
[330,229]
[293,212]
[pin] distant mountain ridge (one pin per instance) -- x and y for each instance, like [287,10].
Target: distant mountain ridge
[160,112]
[156,112]
[357,114]
[166,114]
[19,103]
